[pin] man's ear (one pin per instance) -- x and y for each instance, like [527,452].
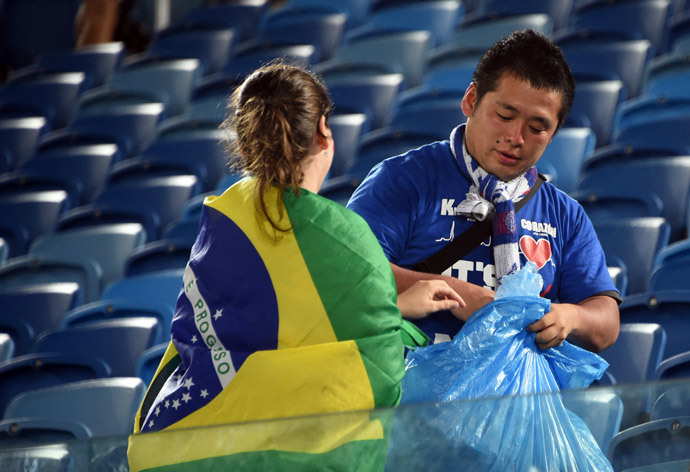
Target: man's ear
[469,100]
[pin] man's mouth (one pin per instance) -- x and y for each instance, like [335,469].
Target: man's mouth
[508,156]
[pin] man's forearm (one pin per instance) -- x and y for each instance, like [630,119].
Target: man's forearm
[598,323]
[475,297]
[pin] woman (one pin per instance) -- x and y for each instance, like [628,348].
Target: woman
[289,305]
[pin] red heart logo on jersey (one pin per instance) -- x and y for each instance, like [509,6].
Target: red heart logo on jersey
[538,252]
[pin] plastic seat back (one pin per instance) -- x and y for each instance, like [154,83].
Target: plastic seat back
[32,371]
[654,442]
[635,241]
[83,403]
[668,178]
[118,343]
[667,308]
[31,309]
[18,140]
[567,153]
[26,215]
[105,246]
[403,52]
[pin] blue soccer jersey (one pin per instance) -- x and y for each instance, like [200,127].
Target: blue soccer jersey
[409,202]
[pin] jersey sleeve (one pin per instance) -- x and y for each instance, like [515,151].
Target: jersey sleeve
[585,272]
[387,202]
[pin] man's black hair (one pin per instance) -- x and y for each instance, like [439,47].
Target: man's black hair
[528,56]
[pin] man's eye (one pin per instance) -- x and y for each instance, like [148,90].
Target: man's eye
[537,130]
[504,118]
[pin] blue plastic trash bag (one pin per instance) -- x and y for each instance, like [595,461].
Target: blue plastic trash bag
[494,356]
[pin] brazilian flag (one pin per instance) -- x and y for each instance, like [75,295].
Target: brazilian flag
[276,325]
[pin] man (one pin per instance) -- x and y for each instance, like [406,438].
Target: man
[521,93]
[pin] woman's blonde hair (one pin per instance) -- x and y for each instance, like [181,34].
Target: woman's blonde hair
[274,117]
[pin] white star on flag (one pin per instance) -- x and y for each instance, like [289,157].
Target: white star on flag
[176,404]
[158,411]
[186,397]
[151,424]
[167,403]
[204,393]
[218,314]
[188,383]
[194,339]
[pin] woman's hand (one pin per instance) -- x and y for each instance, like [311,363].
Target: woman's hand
[428,296]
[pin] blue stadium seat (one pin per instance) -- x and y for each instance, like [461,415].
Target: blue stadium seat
[104,247]
[80,171]
[668,178]
[450,69]
[674,367]
[166,81]
[154,202]
[97,62]
[669,134]
[105,407]
[319,28]
[4,250]
[654,442]
[374,95]
[250,55]
[602,201]
[197,152]
[35,433]
[347,129]
[601,410]
[26,215]
[596,58]
[131,127]
[32,371]
[644,19]
[31,309]
[20,22]
[52,96]
[438,17]
[116,309]
[212,47]
[673,252]
[149,361]
[567,153]
[383,143]
[480,34]
[635,241]
[671,275]
[160,287]
[558,10]
[357,11]
[432,113]
[595,105]
[680,30]
[637,353]
[672,402]
[18,140]
[667,308]
[118,343]
[401,52]
[160,255]
[667,76]
[244,16]
[6,347]
[633,358]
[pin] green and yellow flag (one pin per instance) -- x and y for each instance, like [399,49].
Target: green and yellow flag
[267,328]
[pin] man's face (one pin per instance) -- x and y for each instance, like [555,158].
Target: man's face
[509,129]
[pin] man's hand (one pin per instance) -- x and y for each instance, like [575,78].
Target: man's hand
[592,324]
[555,326]
[428,296]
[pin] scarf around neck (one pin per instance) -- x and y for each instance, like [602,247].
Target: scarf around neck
[487,193]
